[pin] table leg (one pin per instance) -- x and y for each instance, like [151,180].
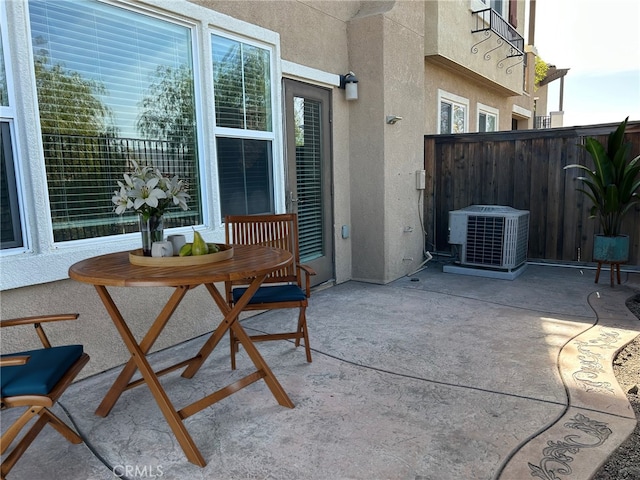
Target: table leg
[147,342]
[230,322]
[269,378]
[230,316]
[140,361]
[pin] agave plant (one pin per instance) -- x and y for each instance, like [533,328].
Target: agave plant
[614,183]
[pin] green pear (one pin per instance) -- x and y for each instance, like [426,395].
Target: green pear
[199,246]
[185,251]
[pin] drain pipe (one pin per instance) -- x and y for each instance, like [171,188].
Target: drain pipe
[422,266]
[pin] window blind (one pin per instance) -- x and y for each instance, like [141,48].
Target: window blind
[113,86]
[309,177]
[244,167]
[241,79]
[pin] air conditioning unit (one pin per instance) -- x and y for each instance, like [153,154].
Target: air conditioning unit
[491,236]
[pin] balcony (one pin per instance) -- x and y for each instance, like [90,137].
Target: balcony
[542,121]
[488,21]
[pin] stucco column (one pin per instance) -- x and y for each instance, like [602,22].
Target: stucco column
[386,52]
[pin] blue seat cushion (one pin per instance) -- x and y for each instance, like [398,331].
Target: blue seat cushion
[276,293]
[41,373]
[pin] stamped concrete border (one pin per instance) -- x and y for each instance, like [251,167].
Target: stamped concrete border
[598,416]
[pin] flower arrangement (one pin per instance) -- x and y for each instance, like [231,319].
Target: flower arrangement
[149,193]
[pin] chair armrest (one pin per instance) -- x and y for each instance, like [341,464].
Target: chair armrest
[307,277]
[12,361]
[38,319]
[307,269]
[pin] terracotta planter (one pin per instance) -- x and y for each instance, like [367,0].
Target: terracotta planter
[611,249]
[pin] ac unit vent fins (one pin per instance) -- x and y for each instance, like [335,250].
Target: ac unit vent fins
[484,240]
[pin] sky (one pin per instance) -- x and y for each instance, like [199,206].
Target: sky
[599,41]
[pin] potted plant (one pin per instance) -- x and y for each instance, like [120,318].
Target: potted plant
[613,188]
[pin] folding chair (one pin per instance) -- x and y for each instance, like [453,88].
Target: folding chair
[286,288]
[36,379]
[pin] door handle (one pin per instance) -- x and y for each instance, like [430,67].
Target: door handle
[294,200]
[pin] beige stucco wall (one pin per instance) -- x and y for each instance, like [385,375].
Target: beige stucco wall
[374,163]
[437,76]
[386,48]
[451,65]
[448,39]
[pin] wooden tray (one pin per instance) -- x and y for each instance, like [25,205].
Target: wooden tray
[137,258]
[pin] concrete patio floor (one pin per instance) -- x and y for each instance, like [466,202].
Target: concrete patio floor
[434,376]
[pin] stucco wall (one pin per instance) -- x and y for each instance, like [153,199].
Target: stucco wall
[437,76]
[311,33]
[374,163]
[449,39]
[386,47]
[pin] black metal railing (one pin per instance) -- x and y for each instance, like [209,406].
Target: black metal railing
[542,121]
[82,175]
[489,20]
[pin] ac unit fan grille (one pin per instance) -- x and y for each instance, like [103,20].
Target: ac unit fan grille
[484,240]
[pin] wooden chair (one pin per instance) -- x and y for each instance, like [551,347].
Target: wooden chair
[36,379]
[286,288]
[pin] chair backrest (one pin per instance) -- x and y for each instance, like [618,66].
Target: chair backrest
[277,230]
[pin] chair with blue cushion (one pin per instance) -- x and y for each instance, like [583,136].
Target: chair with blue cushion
[286,288]
[35,379]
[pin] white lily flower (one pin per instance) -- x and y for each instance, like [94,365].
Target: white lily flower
[147,191]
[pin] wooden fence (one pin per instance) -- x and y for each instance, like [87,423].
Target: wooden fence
[523,170]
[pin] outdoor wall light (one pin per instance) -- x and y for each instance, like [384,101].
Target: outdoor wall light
[349,83]
[393,119]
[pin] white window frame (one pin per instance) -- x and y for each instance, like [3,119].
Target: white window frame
[487,110]
[8,115]
[452,98]
[46,261]
[477,5]
[273,136]
[483,4]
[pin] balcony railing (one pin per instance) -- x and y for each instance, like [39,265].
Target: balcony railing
[488,20]
[82,175]
[542,121]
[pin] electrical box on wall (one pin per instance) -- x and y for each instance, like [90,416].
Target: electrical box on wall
[421,179]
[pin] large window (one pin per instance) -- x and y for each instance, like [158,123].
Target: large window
[453,113]
[244,126]
[11,229]
[113,86]
[89,86]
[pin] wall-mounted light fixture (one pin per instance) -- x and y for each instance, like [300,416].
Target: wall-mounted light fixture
[349,83]
[393,119]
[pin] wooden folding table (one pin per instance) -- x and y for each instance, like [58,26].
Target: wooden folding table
[115,270]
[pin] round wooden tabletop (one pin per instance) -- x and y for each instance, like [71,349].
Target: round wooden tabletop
[115,269]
